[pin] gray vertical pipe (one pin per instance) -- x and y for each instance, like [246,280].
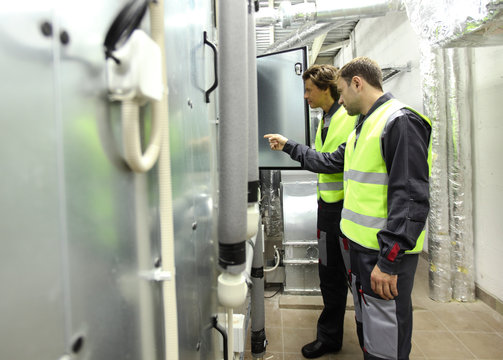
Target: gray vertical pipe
[253,173]
[459,116]
[233,133]
[258,336]
[258,340]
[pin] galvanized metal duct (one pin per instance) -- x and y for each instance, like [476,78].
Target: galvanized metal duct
[332,13]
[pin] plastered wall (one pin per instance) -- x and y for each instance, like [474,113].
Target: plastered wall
[487,132]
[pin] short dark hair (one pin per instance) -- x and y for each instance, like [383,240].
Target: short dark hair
[323,76]
[364,67]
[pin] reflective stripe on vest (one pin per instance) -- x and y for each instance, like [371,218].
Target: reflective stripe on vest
[331,186]
[365,210]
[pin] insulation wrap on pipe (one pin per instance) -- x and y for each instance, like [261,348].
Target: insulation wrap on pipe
[459,119]
[439,243]
[233,134]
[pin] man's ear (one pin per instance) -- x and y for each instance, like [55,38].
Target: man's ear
[357,81]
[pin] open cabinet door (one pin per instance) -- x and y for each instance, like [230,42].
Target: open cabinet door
[281,105]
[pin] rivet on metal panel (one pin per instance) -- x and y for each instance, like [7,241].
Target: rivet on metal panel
[46,28]
[194,225]
[189,102]
[64,37]
[157,262]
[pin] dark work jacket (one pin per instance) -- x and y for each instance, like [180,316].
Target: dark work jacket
[405,142]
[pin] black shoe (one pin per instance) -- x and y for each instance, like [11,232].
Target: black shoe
[316,349]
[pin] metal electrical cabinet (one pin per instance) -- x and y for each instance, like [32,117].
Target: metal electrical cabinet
[78,228]
[281,105]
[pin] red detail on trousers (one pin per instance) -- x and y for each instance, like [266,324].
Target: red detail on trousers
[394,252]
[318,233]
[346,243]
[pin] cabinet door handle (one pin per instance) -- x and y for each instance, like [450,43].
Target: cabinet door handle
[215,57]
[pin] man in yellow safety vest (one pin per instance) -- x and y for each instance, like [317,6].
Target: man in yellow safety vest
[387,163]
[333,130]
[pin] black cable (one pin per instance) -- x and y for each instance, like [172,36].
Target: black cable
[127,21]
[273,295]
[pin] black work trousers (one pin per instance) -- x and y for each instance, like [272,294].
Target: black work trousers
[384,327]
[333,278]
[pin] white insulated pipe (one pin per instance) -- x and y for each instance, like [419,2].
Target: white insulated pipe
[160,109]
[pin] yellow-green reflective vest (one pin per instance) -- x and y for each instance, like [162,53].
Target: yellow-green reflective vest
[330,186]
[365,209]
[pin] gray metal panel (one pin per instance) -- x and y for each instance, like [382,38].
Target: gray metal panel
[302,279]
[77,226]
[106,204]
[193,151]
[31,301]
[282,108]
[299,211]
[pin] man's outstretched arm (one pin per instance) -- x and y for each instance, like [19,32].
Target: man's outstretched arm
[310,159]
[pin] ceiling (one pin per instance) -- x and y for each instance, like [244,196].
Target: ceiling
[268,35]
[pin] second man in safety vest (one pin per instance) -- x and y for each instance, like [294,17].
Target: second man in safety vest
[335,126]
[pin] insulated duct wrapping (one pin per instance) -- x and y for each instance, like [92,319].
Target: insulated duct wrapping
[459,119]
[445,24]
[466,23]
[271,203]
[439,241]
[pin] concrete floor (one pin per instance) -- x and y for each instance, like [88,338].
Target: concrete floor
[441,330]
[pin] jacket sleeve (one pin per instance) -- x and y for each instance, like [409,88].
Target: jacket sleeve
[405,143]
[312,160]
